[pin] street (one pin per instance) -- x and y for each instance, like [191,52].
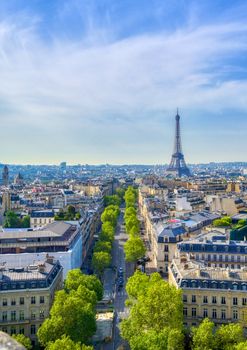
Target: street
[118,260]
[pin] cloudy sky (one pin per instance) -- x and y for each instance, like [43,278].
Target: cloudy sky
[99,81]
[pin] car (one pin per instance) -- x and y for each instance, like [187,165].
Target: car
[120,269]
[146,258]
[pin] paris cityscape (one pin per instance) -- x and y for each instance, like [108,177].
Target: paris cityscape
[123,175]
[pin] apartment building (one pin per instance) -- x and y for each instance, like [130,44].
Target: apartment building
[216,250]
[61,239]
[26,295]
[40,218]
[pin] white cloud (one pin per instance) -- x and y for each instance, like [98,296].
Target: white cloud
[60,84]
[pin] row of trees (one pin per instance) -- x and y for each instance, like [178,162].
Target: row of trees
[102,249]
[12,220]
[72,320]
[155,321]
[68,214]
[134,248]
[227,221]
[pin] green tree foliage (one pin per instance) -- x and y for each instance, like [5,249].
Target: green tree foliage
[110,214]
[241,346]
[225,221]
[75,278]
[100,261]
[12,220]
[25,341]
[120,192]
[134,249]
[80,319]
[156,319]
[130,197]
[103,246]
[132,223]
[203,336]
[65,343]
[112,200]
[130,211]
[68,214]
[25,221]
[226,337]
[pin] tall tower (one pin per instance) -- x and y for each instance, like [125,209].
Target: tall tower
[177,165]
[5,176]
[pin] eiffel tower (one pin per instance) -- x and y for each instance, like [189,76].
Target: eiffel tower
[177,165]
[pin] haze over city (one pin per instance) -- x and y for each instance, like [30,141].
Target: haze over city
[99,81]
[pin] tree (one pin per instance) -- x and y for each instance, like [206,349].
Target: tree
[156,310]
[120,192]
[65,343]
[131,222]
[241,346]
[203,336]
[100,261]
[12,220]
[103,246]
[227,336]
[25,221]
[137,284]
[75,278]
[225,221]
[129,212]
[25,341]
[71,211]
[134,249]
[80,319]
[114,199]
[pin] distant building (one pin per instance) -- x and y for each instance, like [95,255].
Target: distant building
[63,166]
[18,180]
[40,218]
[5,176]
[26,295]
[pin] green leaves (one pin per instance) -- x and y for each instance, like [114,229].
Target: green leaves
[13,221]
[226,337]
[100,261]
[73,311]
[134,249]
[155,320]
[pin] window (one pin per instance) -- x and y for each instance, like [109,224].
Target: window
[205,299]
[223,300]
[214,300]
[193,312]
[235,314]
[215,257]
[205,313]
[209,257]
[4,315]
[185,298]
[5,302]
[220,257]
[13,330]
[33,315]
[21,330]
[33,300]
[41,314]
[41,299]
[5,329]
[214,313]
[232,257]
[33,329]
[244,301]
[13,315]
[166,257]
[185,311]
[21,301]
[13,302]
[226,257]
[166,248]
[235,301]
[223,314]
[193,298]
[21,315]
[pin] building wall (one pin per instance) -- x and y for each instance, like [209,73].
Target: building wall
[17,317]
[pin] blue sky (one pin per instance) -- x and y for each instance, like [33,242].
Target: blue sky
[99,81]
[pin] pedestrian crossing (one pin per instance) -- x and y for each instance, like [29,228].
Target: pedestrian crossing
[121,293]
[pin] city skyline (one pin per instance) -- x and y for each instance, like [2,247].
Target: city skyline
[98,82]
